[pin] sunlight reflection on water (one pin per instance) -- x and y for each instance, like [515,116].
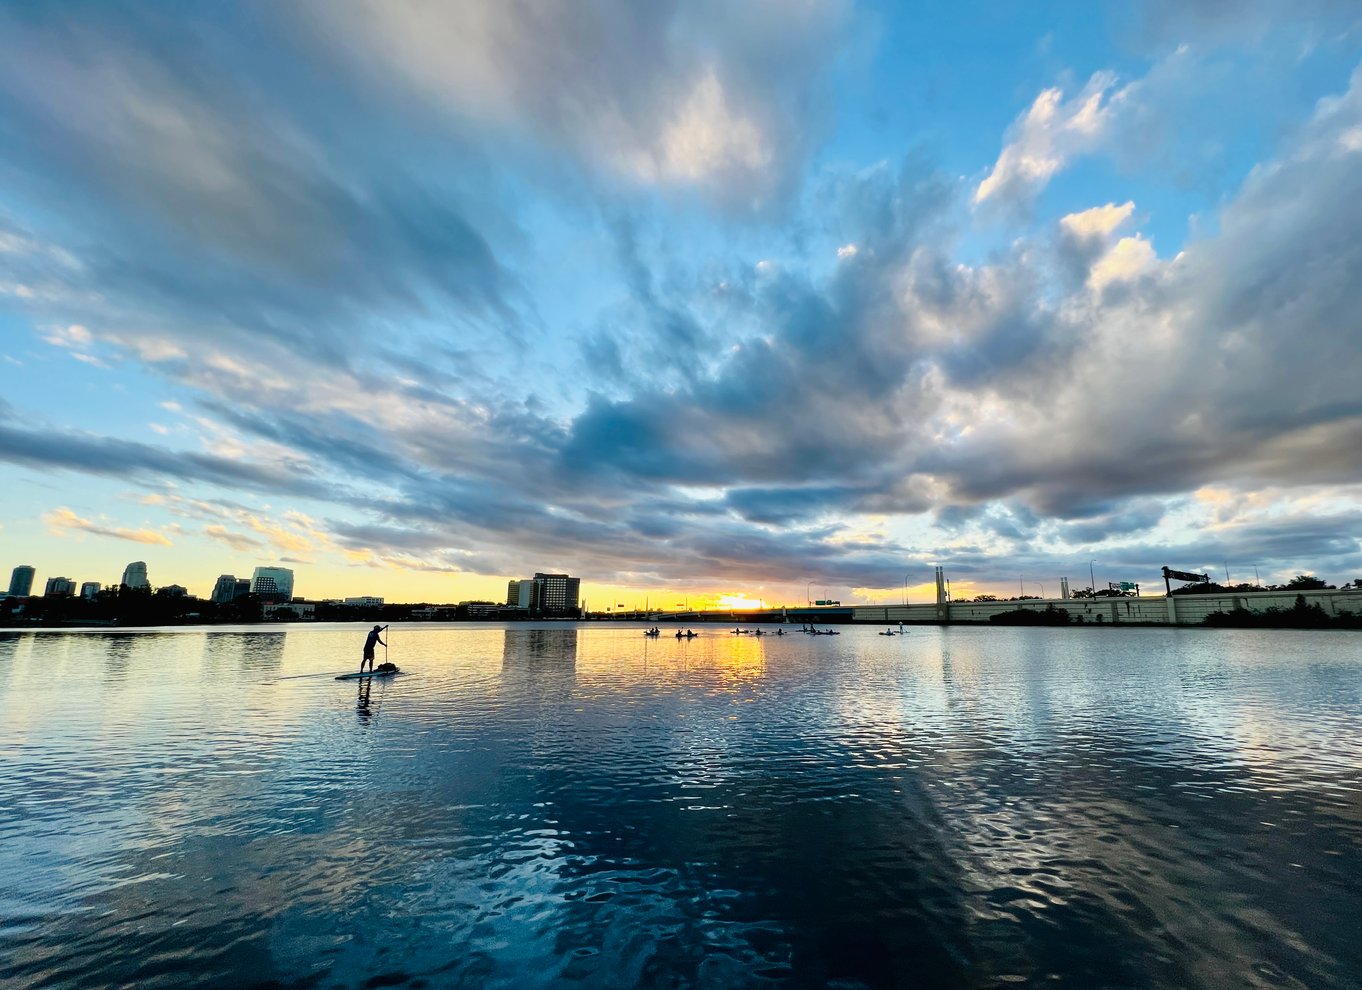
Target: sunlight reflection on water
[579,804]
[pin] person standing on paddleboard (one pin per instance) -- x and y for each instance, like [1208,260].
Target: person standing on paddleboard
[369,645]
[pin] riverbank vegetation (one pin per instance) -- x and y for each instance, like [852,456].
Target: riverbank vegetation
[1301,615]
[1048,616]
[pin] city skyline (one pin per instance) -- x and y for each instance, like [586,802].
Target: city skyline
[227,587]
[707,303]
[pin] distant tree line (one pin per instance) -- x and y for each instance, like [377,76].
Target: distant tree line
[1301,582]
[1048,616]
[1301,615]
[124,606]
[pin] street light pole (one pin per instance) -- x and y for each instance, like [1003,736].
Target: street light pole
[1092,581]
[905,587]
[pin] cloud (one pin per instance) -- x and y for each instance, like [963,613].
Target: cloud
[1043,140]
[1097,222]
[1137,516]
[711,95]
[62,521]
[1242,23]
[218,211]
[1128,258]
[342,309]
[89,453]
[237,541]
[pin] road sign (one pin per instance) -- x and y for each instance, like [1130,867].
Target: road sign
[1168,572]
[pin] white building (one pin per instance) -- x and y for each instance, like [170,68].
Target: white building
[301,610]
[365,601]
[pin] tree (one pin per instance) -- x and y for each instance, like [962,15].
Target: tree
[1305,582]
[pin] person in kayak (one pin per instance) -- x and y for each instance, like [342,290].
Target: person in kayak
[369,645]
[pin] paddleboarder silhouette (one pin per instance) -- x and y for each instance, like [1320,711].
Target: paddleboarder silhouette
[369,645]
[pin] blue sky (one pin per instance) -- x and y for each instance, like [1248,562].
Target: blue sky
[689,299]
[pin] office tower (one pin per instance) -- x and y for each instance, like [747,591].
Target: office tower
[225,591]
[275,583]
[59,587]
[523,594]
[558,593]
[545,594]
[21,581]
[135,576]
[89,590]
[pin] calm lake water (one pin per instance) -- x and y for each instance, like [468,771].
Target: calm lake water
[580,806]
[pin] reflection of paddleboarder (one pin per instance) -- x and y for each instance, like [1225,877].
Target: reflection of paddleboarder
[369,645]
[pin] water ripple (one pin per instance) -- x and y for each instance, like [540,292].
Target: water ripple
[545,807]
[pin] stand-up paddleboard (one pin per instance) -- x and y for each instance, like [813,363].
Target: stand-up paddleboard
[368,673]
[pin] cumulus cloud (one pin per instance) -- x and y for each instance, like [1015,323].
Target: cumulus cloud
[62,521]
[1046,137]
[1097,222]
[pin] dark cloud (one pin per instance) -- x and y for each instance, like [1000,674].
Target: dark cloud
[212,207]
[1136,517]
[47,450]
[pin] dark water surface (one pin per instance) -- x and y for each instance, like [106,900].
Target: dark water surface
[579,806]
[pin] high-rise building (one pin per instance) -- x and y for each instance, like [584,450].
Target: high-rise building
[135,576]
[558,593]
[523,594]
[89,590]
[228,589]
[545,594]
[21,581]
[273,583]
[59,587]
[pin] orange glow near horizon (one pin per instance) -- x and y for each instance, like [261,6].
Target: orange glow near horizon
[739,601]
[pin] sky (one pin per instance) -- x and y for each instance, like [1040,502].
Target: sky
[701,302]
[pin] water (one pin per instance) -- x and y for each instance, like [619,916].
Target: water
[581,806]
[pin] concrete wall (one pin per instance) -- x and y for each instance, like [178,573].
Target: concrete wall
[1149,610]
